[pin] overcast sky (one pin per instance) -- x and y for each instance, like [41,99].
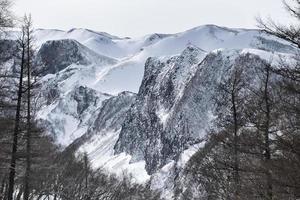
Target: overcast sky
[140,17]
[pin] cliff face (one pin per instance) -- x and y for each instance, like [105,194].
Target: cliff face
[145,132]
[107,120]
[174,107]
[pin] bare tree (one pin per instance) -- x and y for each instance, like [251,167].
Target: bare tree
[231,95]
[29,51]
[289,85]
[12,173]
[288,32]
[266,127]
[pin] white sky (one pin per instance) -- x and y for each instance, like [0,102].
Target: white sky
[140,17]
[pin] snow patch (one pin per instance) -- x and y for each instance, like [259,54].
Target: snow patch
[163,115]
[100,151]
[187,154]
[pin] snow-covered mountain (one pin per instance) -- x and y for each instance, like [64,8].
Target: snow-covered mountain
[174,109]
[153,128]
[56,55]
[148,132]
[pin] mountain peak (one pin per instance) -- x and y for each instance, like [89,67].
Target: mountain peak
[103,34]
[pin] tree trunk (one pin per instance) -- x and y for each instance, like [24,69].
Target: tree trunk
[236,156]
[12,169]
[267,154]
[28,134]
[86,169]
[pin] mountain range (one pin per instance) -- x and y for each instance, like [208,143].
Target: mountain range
[143,105]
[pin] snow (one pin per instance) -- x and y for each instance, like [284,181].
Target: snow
[163,115]
[69,127]
[100,151]
[124,76]
[274,58]
[44,112]
[161,180]
[188,153]
[66,124]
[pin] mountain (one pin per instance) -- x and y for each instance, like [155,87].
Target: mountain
[114,78]
[174,110]
[141,105]
[56,55]
[148,132]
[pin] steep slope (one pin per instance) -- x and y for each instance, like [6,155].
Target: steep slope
[65,65]
[160,92]
[68,116]
[102,134]
[56,55]
[174,107]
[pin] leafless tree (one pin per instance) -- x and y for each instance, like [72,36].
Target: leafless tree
[29,60]
[288,140]
[288,32]
[22,43]
[231,94]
